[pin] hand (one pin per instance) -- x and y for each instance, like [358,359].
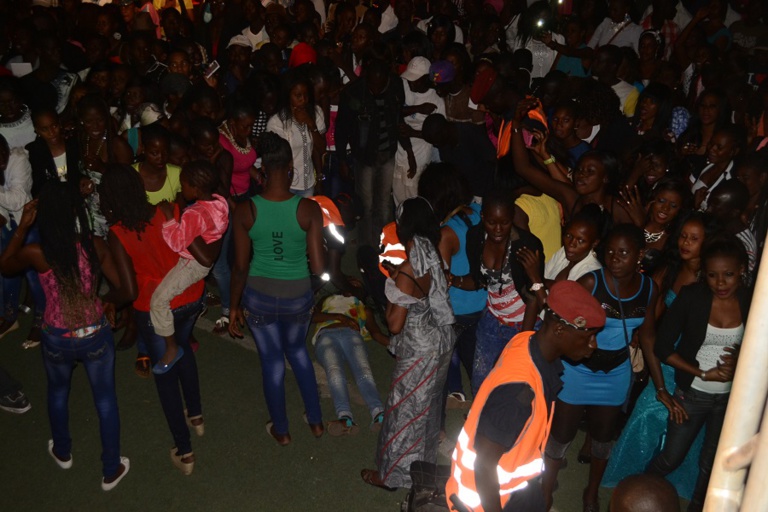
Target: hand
[212,81]
[411,165]
[539,144]
[546,38]
[86,187]
[523,106]
[29,214]
[631,202]
[110,312]
[699,196]
[689,149]
[426,108]
[676,411]
[391,268]
[720,373]
[530,262]
[346,321]
[236,322]
[167,209]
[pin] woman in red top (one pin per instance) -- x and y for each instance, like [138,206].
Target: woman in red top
[143,259]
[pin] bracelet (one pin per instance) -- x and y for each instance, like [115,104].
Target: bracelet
[703,374]
[550,160]
[660,390]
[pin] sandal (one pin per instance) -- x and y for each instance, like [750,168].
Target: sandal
[212,300]
[143,366]
[195,423]
[377,422]
[222,325]
[343,426]
[371,477]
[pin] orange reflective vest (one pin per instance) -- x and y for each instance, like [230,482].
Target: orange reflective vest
[526,458]
[505,131]
[393,250]
[331,216]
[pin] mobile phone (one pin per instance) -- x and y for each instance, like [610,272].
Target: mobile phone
[212,68]
[527,138]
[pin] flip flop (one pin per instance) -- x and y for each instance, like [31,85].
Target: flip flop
[142,366]
[371,477]
[161,368]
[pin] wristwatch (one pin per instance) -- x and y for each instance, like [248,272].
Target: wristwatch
[536,287]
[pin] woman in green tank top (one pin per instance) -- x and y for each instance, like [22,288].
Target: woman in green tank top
[280,230]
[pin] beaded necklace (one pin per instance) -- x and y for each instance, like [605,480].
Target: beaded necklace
[243,150]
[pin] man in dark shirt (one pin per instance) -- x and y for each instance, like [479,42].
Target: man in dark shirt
[507,420]
[370,110]
[467,147]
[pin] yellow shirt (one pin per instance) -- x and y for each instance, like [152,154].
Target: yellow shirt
[544,220]
[170,188]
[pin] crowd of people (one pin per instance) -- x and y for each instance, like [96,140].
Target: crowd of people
[565,201]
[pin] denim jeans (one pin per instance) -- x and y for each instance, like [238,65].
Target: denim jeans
[333,347]
[222,269]
[97,355]
[182,379]
[373,185]
[279,328]
[308,193]
[334,184]
[464,352]
[11,286]
[492,337]
[704,410]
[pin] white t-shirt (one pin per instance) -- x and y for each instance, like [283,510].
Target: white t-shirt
[15,192]
[256,39]
[300,139]
[423,25]
[696,183]
[709,355]
[558,262]
[422,150]
[620,34]
[61,166]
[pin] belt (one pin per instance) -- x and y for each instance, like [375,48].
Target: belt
[83,332]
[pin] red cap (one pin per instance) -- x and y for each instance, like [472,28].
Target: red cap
[302,53]
[482,84]
[574,304]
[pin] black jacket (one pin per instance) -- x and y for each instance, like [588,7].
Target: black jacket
[44,168]
[689,316]
[358,123]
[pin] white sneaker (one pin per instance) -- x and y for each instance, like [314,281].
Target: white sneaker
[111,485]
[63,464]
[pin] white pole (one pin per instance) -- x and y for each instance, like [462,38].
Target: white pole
[745,407]
[756,492]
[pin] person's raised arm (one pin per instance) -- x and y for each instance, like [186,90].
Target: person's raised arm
[242,222]
[123,154]
[564,193]
[17,257]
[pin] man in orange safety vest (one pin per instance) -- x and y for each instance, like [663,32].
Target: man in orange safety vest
[499,455]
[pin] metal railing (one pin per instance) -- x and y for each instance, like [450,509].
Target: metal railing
[731,487]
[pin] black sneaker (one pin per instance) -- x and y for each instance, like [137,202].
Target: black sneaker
[15,402]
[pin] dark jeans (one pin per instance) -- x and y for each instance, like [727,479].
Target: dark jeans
[97,354]
[373,186]
[704,410]
[464,352]
[182,378]
[334,184]
[279,328]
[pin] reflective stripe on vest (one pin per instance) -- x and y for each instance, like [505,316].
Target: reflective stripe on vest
[331,216]
[393,250]
[525,459]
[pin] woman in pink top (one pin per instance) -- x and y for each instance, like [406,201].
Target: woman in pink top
[75,327]
[234,135]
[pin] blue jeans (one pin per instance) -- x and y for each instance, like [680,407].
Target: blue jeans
[279,328]
[333,347]
[182,379]
[373,186]
[492,337]
[704,410]
[11,286]
[222,269]
[97,354]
